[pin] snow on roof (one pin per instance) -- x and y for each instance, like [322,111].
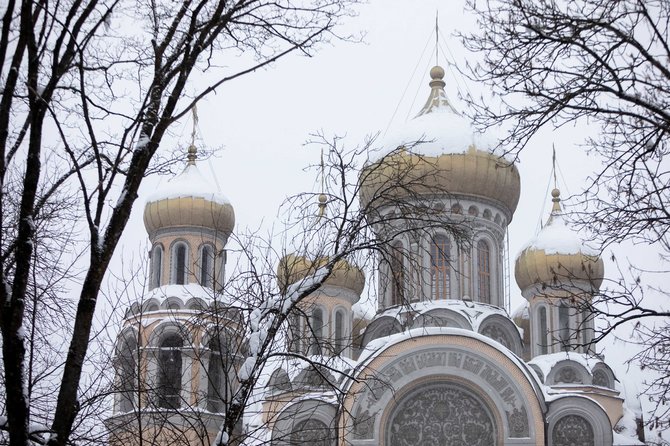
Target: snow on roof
[558,238]
[439,132]
[185,292]
[547,362]
[190,183]
[475,312]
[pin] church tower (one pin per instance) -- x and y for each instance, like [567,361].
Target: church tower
[558,274]
[179,346]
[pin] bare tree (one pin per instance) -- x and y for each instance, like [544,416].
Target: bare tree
[605,63]
[90,89]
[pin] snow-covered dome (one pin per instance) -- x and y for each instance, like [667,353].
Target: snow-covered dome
[293,268]
[557,256]
[438,151]
[189,200]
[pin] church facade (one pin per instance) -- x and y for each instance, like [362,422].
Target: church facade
[440,363]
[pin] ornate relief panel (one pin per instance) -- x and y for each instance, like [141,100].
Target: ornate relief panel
[441,414]
[460,372]
[572,430]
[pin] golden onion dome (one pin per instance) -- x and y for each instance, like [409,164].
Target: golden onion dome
[189,200]
[557,257]
[439,152]
[293,268]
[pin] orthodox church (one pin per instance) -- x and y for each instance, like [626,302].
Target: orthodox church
[442,362]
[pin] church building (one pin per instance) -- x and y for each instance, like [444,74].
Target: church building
[442,362]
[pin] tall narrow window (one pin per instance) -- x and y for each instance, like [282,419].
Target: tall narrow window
[317,327]
[217,388]
[156,266]
[169,371]
[542,335]
[179,256]
[484,271]
[294,332]
[127,374]
[587,320]
[397,274]
[207,266]
[564,326]
[339,331]
[440,268]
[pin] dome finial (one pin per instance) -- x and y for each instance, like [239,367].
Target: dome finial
[556,200]
[192,155]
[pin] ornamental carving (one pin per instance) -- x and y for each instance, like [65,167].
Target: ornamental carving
[312,432]
[568,375]
[572,430]
[498,334]
[601,379]
[441,414]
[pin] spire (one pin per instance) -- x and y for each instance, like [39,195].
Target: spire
[323,199]
[192,151]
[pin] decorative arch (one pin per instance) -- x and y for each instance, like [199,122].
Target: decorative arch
[310,422]
[126,362]
[442,317]
[484,270]
[568,371]
[156,265]
[577,420]
[150,305]
[179,262]
[206,265]
[502,330]
[473,211]
[603,376]
[341,330]
[172,303]
[280,382]
[440,267]
[169,376]
[397,265]
[451,357]
[379,328]
[196,304]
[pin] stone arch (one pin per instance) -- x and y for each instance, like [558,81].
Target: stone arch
[279,381]
[151,305]
[450,355]
[169,327]
[442,317]
[310,421]
[576,418]
[196,304]
[502,330]
[603,376]
[172,303]
[473,211]
[568,371]
[379,328]
[487,214]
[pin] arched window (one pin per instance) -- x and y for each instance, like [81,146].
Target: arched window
[440,268]
[542,331]
[397,274]
[587,320]
[127,374]
[484,271]
[564,326]
[179,263]
[294,332]
[207,266]
[317,328]
[572,430]
[156,266]
[339,331]
[217,387]
[169,371]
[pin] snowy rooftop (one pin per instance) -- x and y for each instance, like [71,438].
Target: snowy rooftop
[190,183]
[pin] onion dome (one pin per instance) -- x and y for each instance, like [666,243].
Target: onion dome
[557,256]
[189,200]
[439,152]
[293,268]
